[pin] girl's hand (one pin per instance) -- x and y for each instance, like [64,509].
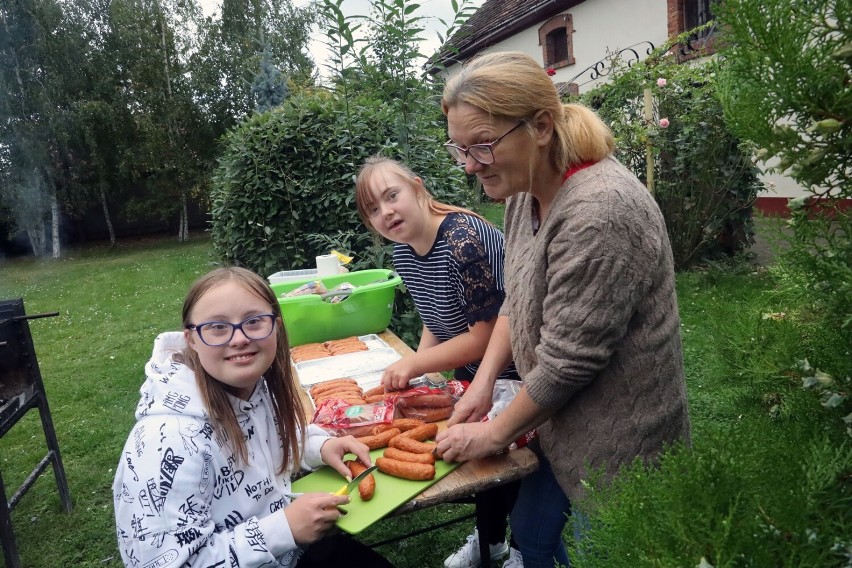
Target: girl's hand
[399,373]
[311,515]
[474,403]
[334,449]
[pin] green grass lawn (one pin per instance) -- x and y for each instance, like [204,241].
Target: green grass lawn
[114,301]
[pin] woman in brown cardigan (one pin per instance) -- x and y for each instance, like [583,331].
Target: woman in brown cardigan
[590,316]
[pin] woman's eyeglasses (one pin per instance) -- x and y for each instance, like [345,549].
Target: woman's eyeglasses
[482,153]
[218,333]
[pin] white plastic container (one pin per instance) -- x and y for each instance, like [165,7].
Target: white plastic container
[290,275]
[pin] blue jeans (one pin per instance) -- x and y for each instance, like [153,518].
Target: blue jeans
[538,518]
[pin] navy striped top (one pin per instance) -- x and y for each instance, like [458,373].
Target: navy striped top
[459,282]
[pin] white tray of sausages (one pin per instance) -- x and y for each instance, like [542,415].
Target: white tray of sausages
[365,366]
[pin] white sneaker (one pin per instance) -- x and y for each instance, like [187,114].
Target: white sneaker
[515,559]
[468,555]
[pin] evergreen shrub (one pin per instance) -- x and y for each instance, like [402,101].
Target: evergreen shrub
[748,494]
[768,479]
[786,85]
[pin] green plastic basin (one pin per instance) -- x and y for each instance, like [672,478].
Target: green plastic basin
[367,309]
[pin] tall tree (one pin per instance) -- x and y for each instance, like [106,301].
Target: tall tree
[231,49]
[151,42]
[21,133]
[43,70]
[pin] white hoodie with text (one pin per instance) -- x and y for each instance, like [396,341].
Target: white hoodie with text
[181,498]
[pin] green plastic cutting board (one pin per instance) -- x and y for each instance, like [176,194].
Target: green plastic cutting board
[391,492]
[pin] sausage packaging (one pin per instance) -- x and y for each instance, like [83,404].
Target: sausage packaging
[503,394]
[340,418]
[431,403]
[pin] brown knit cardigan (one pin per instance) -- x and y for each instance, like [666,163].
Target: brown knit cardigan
[594,323]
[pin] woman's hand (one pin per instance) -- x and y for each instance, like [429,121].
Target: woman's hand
[474,403]
[399,373]
[334,449]
[311,515]
[464,442]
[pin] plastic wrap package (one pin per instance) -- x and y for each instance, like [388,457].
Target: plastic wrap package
[340,418]
[431,403]
[504,393]
[312,287]
[339,293]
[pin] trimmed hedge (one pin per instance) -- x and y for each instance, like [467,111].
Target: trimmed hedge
[289,173]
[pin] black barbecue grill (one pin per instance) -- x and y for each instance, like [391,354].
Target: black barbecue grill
[21,390]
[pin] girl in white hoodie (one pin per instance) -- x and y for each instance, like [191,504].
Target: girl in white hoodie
[204,478]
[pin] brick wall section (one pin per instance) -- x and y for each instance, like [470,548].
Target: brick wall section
[676,17]
[561,21]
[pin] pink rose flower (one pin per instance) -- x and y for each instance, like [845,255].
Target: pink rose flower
[664,123]
[551,71]
[661,82]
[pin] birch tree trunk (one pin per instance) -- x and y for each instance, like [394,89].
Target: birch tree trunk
[54,225]
[170,125]
[183,231]
[35,233]
[107,218]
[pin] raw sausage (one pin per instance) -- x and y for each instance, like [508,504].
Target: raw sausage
[334,342]
[310,356]
[306,346]
[346,349]
[402,455]
[379,440]
[409,445]
[375,390]
[338,391]
[367,487]
[350,400]
[429,414]
[421,433]
[356,431]
[375,398]
[437,399]
[406,470]
[326,385]
[406,424]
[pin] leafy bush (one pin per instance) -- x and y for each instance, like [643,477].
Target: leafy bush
[785,84]
[289,173]
[704,181]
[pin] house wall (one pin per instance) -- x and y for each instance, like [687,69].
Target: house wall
[600,27]
[606,26]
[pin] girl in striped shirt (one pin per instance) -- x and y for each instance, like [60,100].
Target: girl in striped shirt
[451,261]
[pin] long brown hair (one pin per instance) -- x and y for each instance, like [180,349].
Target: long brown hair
[512,85]
[364,200]
[283,392]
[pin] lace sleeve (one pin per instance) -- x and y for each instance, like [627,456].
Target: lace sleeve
[481,295]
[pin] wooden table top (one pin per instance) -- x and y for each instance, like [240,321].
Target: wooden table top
[469,478]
